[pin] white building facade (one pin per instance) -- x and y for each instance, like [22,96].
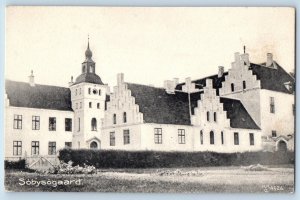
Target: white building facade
[249,108]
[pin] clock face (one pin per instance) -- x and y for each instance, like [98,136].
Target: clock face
[94,91]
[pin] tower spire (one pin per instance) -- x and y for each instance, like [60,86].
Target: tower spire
[88,52]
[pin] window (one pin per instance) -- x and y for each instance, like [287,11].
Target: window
[78,124]
[244,85]
[207,116]
[17,148]
[35,147]
[94,91]
[272,105]
[114,119]
[251,138]
[98,105]
[68,124]
[112,139]
[80,105]
[52,123]
[76,92]
[89,90]
[90,104]
[236,139]
[126,136]
[157,135]
[232,87]
[52,148]
[17,121]
[76,105]
[201,137]
[181,136]
[274,134]
[35,122]
[215,116]
[212,137]
[222,137]
[79,90]
[124,117]
[99,92]
[94,124]
[68,145]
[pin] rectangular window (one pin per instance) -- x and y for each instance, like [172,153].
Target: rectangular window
[272,105]
[157,135]
[17,148]
[215,116]
[181,136]
[17,121]
[98,105]
[52,148]
[212,137]
[236,139]
[68,145]
[35,122]
[207,116]
[232,87]
[35,148]
[244,85]
[274,134]
[201,137]
[222,137]
[52,123]
[126,136]
[90,104]
[251,138]
[112,139]
[68,124]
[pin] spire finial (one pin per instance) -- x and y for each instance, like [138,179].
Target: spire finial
[88,41]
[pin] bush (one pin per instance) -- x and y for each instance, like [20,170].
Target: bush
[156,159]
[20,164]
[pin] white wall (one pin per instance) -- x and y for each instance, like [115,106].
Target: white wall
[26,134]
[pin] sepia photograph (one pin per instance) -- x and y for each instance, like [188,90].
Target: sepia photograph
[149,99]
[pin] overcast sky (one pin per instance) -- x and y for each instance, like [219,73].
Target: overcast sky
[149,45]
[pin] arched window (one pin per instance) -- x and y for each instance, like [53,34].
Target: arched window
[222,137]
[94,124]
[244,84]
[215,116]
[212,137]
[99,92]
[114,119]
[232,87]
[201,137]
[207,116]
[124,117]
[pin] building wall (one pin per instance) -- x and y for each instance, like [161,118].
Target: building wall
[26,134]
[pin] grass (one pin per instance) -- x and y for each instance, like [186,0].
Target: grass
[214,179]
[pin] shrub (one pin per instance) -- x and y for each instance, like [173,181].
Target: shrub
[20,164]
[156,159]
[68,168]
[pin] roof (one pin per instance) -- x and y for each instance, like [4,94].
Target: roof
[238,115]
[88,78]
[217,82]
[21,94]
[271,78]
[160,107]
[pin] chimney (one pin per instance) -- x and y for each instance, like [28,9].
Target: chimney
[169,86]
[269,60]
[120,78]
[176,81]
[31,79]
[245,59]
[71,82]
[220,71]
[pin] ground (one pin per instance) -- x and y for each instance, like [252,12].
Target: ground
[194,180]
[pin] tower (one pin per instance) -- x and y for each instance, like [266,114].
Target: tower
[88,94]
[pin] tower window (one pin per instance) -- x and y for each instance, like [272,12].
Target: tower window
[90,104]
[222,137]
[236,138]
[124,117]
[94,124]
[78,124]
[232,87]
[244,85]
[251,138]
[99,92]
[114,119]
[272,105]
[89,90]
[207,116]
[80,105]
[201,137]
[215,116]
[212,137]
[76,105]
[94,91]
[98,105]
[76,92]
[79,90]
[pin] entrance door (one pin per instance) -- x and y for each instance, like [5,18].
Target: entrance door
[94,145]
[282,146]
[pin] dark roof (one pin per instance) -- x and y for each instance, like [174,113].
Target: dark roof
[238,115]
[88,78]
[271,78]
[217,82]
[160,107]
[21,94]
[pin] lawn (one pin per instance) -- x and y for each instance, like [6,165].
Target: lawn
[192,180]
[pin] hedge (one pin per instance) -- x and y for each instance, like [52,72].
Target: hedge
[153,159]
[20,164]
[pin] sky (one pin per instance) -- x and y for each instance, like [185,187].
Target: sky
[148,45]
